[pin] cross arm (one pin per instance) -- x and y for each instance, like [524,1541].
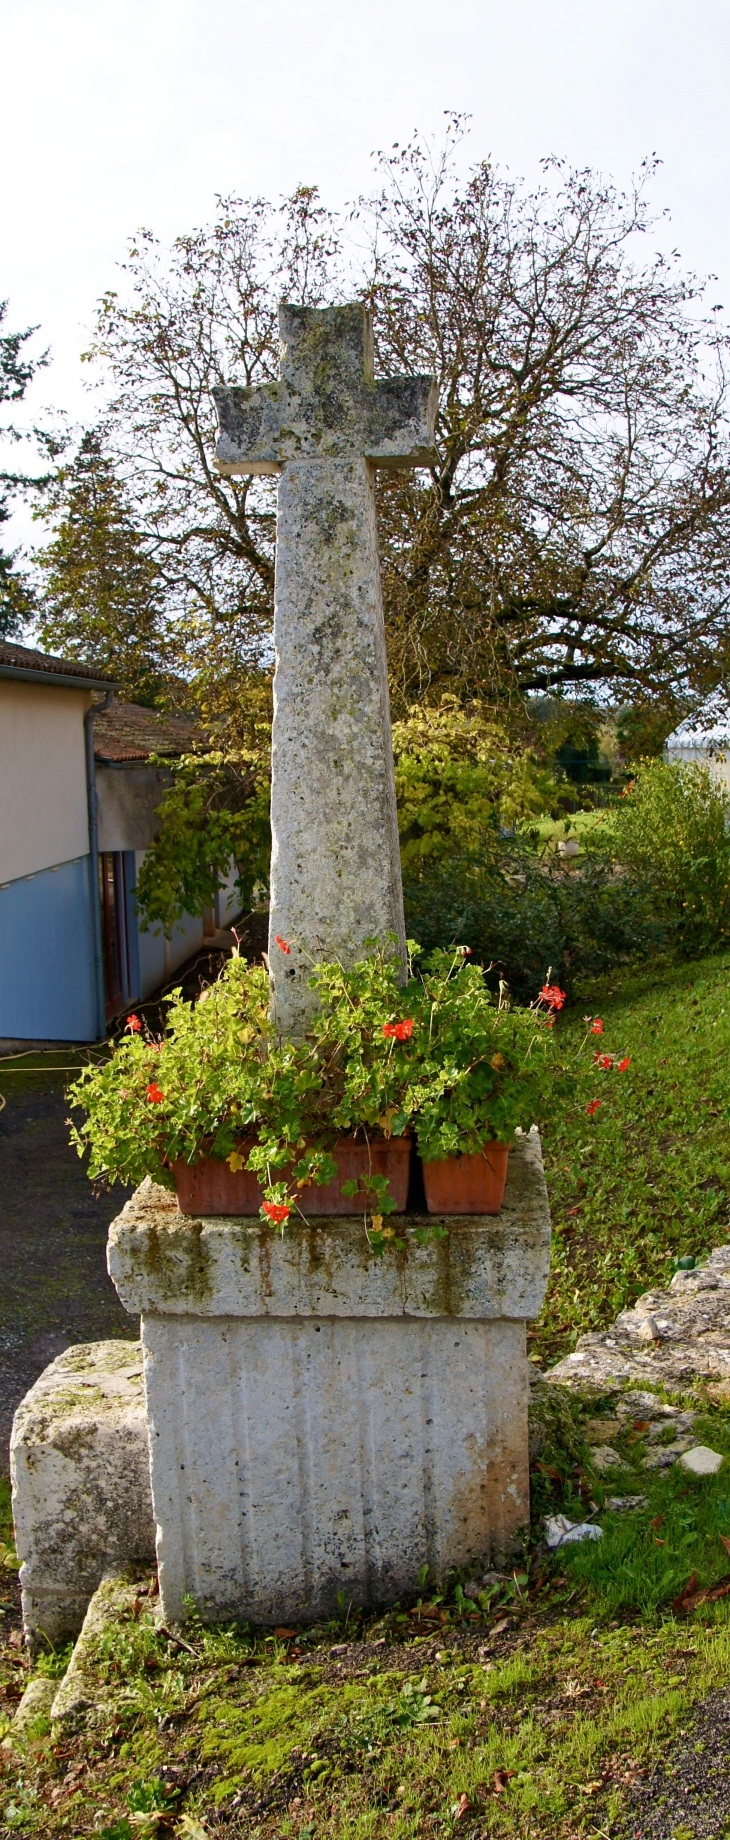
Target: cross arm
[250,422]
[400,421]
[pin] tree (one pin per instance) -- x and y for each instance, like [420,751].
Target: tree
[572,535]
[574,531]
[100,597]
[17,370]
[204,314]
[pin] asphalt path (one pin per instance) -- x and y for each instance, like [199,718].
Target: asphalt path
[54,1287]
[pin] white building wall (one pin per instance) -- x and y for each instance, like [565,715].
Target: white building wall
[43,810]
[700,754]
[229,898]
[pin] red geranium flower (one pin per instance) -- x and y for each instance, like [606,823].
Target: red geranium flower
[626,1062]
[399,1031]
[466,950]
[553,996]
[155,1093]
[597,1026]
[283,947]
[593,1107]
[277,1211]
[603,1060]
[134,1024]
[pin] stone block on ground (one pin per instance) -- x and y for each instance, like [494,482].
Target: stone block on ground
[82,1503]
[33,1710]
[323,1421]
[76,1700]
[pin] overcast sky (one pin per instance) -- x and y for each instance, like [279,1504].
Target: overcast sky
[119,113]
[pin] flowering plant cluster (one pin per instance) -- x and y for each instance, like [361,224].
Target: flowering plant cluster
[606,1063]
[440,1058]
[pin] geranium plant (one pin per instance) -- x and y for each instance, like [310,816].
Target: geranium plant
[439,1057]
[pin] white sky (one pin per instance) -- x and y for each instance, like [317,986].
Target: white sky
[118,113]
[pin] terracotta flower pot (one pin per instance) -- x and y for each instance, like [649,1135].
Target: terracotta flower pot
[210,1187]
[467,1184]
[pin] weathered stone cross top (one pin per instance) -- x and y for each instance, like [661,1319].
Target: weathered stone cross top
[324,426]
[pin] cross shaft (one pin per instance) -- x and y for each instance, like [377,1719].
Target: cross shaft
[324,426]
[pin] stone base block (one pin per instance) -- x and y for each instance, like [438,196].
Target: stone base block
[82,1504]
[323,1422]
[294,1461]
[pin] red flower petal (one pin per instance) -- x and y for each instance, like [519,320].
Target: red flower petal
[276,1211]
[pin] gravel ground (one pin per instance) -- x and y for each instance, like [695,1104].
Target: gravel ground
[687,1796]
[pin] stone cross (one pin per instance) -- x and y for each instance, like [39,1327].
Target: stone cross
[323,427]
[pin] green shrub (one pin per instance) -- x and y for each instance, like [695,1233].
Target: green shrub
[525,914]
[671,826]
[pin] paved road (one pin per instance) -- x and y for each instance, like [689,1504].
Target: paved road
[54,1288]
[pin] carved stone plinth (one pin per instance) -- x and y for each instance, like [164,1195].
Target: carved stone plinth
[322,1421]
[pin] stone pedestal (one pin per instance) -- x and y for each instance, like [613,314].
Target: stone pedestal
[322,1421]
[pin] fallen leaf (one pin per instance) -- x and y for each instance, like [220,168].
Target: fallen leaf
[501,1780]
[285,1635]
[690,1597]
[498,1629]
[460,1808]
[725,1542]
[679,1604]
[657,1522]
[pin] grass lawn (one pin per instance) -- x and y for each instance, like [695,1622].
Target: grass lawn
[539,1710]
[647,1178]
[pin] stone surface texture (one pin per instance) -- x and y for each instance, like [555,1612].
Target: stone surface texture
[669,1338]
[325,1422]
[335,865]
[81,1486]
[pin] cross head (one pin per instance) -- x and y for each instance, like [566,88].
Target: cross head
[326,404]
